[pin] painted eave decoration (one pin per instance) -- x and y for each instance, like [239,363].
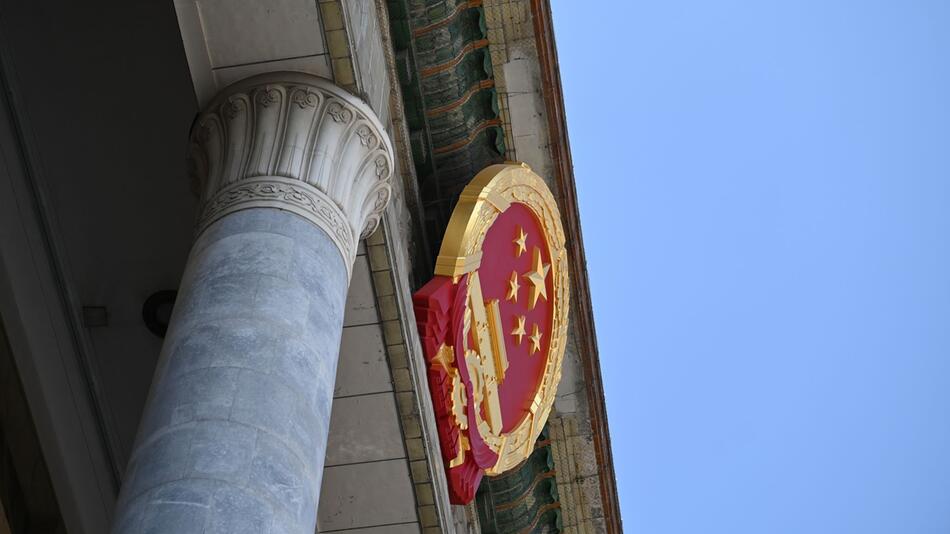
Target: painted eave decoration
[493,324]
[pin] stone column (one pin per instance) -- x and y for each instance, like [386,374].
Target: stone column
[292,171]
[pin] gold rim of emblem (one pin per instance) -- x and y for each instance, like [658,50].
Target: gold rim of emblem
[489,195]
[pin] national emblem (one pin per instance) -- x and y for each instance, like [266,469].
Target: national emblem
[492,393]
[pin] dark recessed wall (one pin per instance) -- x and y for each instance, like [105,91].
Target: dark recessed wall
[104,97]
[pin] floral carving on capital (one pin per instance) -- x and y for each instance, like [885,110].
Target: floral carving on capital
[299,142]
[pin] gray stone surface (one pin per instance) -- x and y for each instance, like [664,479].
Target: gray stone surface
[405,528]
[364,428]
[368,50]
[363,368]
[234,433]
[360,301]
[366,495]
[229,40]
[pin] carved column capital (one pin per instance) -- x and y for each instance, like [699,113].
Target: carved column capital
[296,142]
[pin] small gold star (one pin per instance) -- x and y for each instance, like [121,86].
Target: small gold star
[536,276]
[513,287]
[519,330]
[535,338]
[521,241]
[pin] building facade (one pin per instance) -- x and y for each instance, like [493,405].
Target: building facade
[205,327]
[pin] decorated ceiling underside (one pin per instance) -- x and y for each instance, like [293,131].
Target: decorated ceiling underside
[523,500]
[452,112]
[449,97]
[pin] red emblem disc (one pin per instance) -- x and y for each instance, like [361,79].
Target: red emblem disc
[493,322]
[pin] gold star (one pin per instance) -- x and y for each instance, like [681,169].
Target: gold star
[513,287]
[536,276]
[521,241]
[535,338]
[519,330]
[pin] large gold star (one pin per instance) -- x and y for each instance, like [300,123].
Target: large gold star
[535,338]
[513,287]
[536,276]
[519,330]
[521,241]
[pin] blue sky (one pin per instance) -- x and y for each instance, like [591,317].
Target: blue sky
[765,199]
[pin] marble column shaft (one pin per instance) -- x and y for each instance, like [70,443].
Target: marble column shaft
[293,171]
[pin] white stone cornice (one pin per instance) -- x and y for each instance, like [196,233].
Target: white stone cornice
[297,142]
